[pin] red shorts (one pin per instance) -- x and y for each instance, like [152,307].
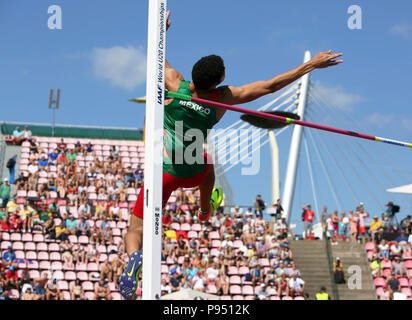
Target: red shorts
[361,229]
[171,183]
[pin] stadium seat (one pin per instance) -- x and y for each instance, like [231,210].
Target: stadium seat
[29,246]
[238,297]
[18,245]
[44,265]
[232,271]
[37,237]
[369,246]
[55,256]
[235,290]
[19,253]
[235,280]
[91,266]
[379,282]
[54,247]
[43,255]
[31,255]
[15,236]
[82,276]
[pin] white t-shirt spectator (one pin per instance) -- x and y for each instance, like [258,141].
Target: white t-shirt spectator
[165,288]
[114,210]
[410,238]
[227,243]
[33,168]
[198,282]
[212,273]
[296,284]
[362,217]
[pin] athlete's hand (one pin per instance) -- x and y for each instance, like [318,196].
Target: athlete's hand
[168,22]
[326,59]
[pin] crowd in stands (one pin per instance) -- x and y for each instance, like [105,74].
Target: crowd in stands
[61,230]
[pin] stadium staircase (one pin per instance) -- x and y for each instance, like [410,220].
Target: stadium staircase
[311,259]
[354,254]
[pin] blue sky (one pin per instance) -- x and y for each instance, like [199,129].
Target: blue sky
[98,59]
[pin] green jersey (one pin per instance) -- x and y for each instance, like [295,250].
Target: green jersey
[186,126]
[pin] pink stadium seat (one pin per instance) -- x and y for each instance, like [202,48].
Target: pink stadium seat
[192,234]
[299,298]
[235,280]
[408,264]
[370,246]
[55,256]
[14,294]
[232,271]
[275,298]
[34,274]
[15,236]
[216,243]
[54,247]
[287,298]
[87,286]
[91,266]
[386,264]
[211,289]
[31,255]
[44,265]
[404,282]
[122,225]
[386,272]
[101,248]
[185,227]
[235,290]
[379,282]
[196,227]
[5,244]
[214,235]
[214,252]
[264,262]
[226,297]
[379,291]
[164,269]
[56,265]
[33,266]
[70,276]
[41,246]
[21,193]
[19,254]
[175,226]
[81,267]
[238,297]
[243,270]
[18,245]
[59,275]
[82,275]
[5,236]
[406,291]
[63,285]
[83,240]
[116,296]
[43,255]
[29,246]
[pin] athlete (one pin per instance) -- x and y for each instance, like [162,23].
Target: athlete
[181,118]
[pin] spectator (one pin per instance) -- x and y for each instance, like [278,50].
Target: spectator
[66,249]
[29,295]
[8,257]
[353,225]
[43,162]
[102,291]
[5,193]
[11,165]
[83,227]
[296,285]
[262,292]
[399,267]
[323,217]
[259,206]
[27,135]
[322,295]
[165,288]
[12,278]
[106,271]
[53,291]
[308,218]
[18,136]
[62,146]
[39,288]
[338,271]
[361,224]
[406,225]
[374,227]
[70,225]
[76,291]
[393,284]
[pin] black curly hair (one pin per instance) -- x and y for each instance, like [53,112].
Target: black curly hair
[207,72]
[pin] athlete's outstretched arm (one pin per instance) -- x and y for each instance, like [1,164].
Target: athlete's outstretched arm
[172,76]
[252,91]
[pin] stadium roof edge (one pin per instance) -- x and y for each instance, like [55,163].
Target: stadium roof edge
[74,131]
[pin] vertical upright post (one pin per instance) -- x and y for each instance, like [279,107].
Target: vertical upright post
[275,166]
[290,180]
[155,87]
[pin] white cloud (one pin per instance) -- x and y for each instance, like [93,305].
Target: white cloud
[381,120]
[337,97]
[124,67]
[403,29]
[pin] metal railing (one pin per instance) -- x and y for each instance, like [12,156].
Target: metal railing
[330,263]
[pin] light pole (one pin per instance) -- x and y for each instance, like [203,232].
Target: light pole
[54,105]
[271,125]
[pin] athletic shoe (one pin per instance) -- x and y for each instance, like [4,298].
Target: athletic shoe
[215,201]
[130,277]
